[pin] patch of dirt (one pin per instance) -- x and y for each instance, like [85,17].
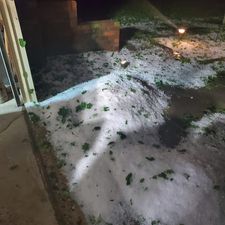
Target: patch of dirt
[171,132]
[186,105]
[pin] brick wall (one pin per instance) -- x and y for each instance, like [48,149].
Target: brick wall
[58,20]
[96,35]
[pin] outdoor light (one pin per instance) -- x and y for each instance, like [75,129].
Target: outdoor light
[181,30]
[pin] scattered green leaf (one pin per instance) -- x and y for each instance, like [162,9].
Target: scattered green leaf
[142,180]
[165,175]
[60,163]
[22,42]
[64,113]
[155,222]
[85,147]
[33,117]
[129,178]
[105,109]
[122,135]
[150,158]
[96,128]
[83,106]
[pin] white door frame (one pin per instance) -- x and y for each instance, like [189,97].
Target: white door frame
[17,50]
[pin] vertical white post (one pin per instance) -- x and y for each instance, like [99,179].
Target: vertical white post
[17,47]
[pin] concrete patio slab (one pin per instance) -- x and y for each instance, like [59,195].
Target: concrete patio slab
[9,107]
[23,198]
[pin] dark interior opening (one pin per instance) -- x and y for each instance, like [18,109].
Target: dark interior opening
[89,10]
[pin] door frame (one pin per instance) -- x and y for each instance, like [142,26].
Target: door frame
[16,50]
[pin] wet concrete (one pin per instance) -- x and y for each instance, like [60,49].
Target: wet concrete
[187,105]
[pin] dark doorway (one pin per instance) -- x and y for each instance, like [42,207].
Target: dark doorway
[89,10]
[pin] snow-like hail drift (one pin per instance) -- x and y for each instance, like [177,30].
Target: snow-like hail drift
[115,168]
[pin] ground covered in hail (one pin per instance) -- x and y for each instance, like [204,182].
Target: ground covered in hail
[130,152]
[151,49]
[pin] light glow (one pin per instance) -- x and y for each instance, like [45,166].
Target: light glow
[181,30]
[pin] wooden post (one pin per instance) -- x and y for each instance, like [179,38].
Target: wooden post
[17,49]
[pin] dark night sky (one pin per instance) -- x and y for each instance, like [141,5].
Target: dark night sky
[101,9]
[98,9]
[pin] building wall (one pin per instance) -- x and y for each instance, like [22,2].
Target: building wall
[97,35]
[51,27]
